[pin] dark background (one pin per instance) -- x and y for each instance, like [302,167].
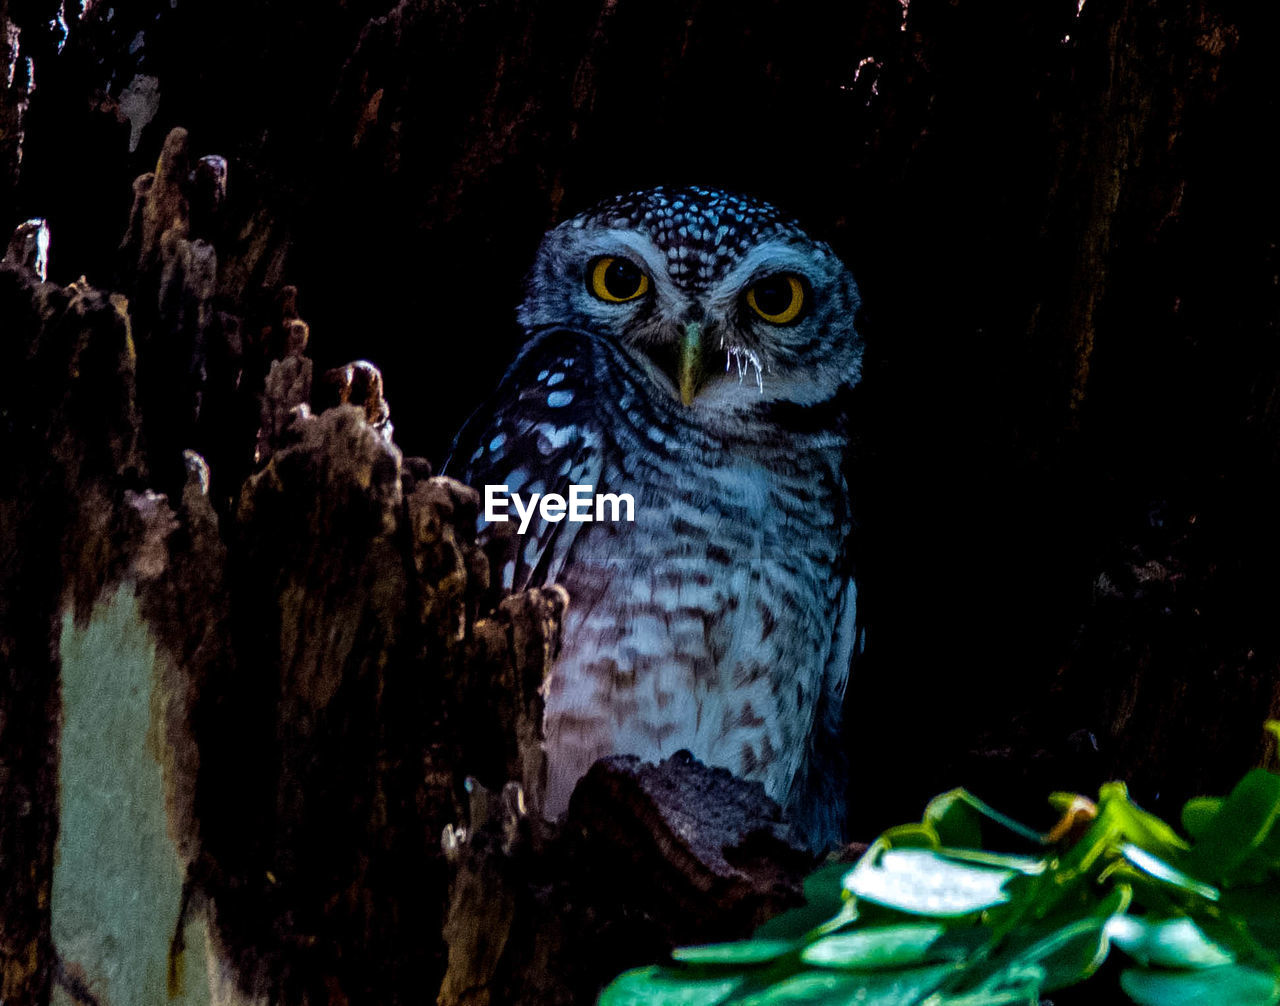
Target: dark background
[1065,228]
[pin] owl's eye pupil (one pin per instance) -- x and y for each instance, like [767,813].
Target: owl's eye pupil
[777,299]
[622,278]
[616,279]
[773,295]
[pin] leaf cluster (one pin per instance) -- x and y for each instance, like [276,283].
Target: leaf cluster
[970,908]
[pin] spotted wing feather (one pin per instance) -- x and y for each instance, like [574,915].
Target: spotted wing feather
[538,433]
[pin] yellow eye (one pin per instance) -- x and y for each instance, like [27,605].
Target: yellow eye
[617,279]
[777,299]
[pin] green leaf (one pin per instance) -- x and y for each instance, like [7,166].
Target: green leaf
[1137,826]
[1022,989]
[955,820]
[810,987]
[1198,812]
[911,836]
[993,929]
[826,906]
[922,882]
[1171,943]
[1067,956]
[1099,840]
[1231,985]
[1063,800]
[1059,951]
[1155,867]
[873,947]
[957,817]
[1025,865]
[655,986]
[741,952]
[829,988]
[1255,908]
[1239,828]
[1269,851]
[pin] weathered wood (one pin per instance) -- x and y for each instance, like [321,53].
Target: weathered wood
[29,249]
[648,857]
[70,449]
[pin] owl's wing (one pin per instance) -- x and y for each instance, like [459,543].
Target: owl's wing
[845,646]
[538,433]
[817,801]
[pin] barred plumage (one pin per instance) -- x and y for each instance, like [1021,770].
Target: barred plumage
[722,620]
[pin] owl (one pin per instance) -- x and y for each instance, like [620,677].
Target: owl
[691,348]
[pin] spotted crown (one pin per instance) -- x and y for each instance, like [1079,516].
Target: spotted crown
[702,231]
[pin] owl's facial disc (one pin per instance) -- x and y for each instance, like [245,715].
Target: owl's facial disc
[725,304]
[618,280]
[776,299]
[680,331]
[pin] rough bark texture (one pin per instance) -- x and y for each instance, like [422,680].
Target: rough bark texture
[649,856]
[71,453]
[1065,229]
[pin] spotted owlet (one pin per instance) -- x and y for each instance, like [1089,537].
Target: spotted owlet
[689,347]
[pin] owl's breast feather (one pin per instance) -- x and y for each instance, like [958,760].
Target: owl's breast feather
[697,627]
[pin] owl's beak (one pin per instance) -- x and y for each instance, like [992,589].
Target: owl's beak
[690,366]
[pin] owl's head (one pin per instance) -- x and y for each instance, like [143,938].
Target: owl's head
[723,301]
